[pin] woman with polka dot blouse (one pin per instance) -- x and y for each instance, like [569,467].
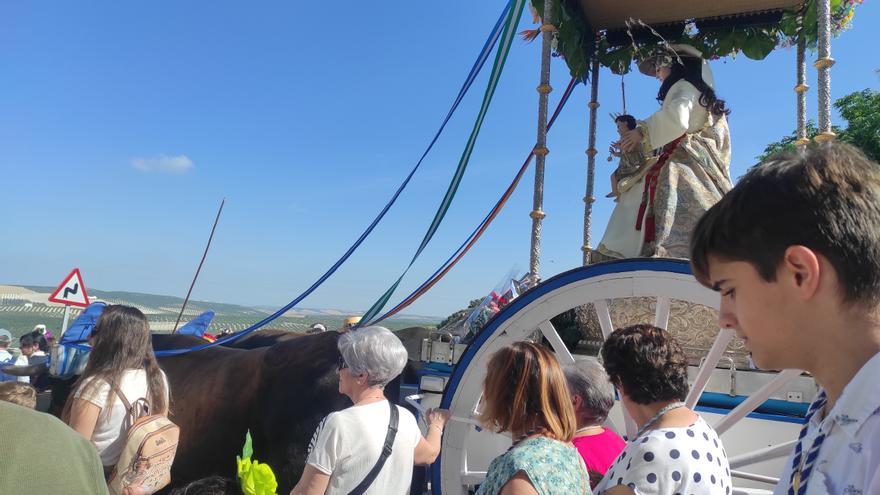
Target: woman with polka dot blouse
[675,450]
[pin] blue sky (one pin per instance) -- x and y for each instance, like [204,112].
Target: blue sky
[123,125]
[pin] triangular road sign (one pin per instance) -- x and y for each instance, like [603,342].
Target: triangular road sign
[72,291]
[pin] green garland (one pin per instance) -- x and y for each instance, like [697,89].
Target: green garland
[574,36]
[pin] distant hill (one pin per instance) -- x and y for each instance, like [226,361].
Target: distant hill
[22,307]
[157,301]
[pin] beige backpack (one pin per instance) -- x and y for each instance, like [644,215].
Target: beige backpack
[144,467]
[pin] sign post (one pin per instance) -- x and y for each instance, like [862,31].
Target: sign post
[66,317]
[71,292]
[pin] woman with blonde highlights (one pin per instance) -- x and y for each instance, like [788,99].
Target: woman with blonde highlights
[525,393]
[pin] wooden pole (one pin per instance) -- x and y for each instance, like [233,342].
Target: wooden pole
[199,269]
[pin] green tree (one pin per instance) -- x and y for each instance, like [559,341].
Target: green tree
[861,110]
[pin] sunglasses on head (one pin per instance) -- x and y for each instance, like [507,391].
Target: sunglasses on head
[341,364]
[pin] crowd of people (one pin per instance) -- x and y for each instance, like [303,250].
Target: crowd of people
[33,349]
[793,250]
[809,299]
[121,369]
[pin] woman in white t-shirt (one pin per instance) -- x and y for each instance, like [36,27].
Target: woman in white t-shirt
[347,443]
[121,361]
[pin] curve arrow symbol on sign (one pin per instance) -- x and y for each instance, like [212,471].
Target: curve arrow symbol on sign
[68,290]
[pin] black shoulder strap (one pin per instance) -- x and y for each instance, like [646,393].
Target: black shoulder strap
[386,452]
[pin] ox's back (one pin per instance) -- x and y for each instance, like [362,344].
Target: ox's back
[299,388]
[213,392]
[262,338]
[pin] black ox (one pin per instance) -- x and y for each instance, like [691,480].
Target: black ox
[279,392]
[276,384]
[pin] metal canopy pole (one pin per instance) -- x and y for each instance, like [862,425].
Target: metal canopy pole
[589,199]
[823,64]
[801,90]
[544,89]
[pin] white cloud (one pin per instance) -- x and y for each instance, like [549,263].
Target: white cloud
[163,163]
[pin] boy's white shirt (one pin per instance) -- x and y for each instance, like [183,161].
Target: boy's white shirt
[849,459]
[21,360]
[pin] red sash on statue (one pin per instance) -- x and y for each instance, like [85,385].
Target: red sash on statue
[651,188]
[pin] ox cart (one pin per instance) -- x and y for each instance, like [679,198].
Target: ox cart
[757,413]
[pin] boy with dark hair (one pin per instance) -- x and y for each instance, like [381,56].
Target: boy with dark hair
[630,161]
[794,250]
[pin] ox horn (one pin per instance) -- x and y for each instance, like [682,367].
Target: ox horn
[29,370]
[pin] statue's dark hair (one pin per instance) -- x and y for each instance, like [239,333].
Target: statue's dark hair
[691,70]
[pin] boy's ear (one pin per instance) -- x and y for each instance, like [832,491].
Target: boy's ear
[801,269]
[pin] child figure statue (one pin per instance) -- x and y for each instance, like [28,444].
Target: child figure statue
[630,162]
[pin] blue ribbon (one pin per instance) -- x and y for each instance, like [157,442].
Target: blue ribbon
[455,254]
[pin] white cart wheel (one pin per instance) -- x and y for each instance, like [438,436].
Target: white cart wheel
[467,449]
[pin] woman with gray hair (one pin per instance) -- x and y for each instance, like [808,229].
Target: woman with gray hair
[347,451]
[592,396]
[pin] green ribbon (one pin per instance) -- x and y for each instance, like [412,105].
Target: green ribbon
[507,37]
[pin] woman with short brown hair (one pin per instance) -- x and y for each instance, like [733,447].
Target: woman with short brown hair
[525,393]
[675,450]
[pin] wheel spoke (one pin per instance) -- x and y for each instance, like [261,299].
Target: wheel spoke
[708,366]
[761,455]
[550,333]
[661,315]
[755,400]
[604,315]
[754,477]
